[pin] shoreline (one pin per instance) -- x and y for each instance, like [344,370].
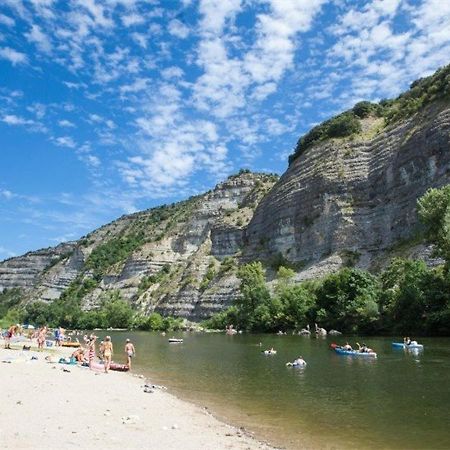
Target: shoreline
[51,405]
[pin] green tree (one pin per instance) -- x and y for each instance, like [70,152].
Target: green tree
[403,300]
[118,312]
[254,294]
[347,301]
[434,212]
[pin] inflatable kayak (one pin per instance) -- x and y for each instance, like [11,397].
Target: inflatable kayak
[412,345]
[113,366]
[70,344]
[175,341]
[341,351]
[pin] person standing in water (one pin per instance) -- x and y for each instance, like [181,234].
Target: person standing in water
[107,352]
[130,352]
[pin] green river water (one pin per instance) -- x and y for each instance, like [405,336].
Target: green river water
[401,400]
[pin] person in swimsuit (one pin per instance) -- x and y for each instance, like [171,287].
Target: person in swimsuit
[107,352]
[78,355]
[130,352]
[12,330]
[42,333]
[91,350]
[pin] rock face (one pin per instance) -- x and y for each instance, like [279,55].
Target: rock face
[353,198]
[343,202]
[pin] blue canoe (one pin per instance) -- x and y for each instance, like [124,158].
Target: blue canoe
[341,351]
[412,345]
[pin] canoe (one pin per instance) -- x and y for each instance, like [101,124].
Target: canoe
[340,351]
[402,345]
[289,364]
[175,341]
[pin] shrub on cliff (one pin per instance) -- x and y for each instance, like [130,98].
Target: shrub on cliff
[422,92]
[343,125]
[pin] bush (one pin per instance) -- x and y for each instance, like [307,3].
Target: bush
[365,109]
[118,312]
[343,125]
[348,301]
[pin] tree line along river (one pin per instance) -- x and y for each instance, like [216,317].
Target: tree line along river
[399,400]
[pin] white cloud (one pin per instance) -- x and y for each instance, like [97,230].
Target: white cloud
[6,20]
[382,59]
[139,84]
[273,52]
[12,119]
[264,90]
[65,141]
[13,56]
[8,195]
[140,39]
[132,19]
[39,38]
[178,29]
[172,72]
[215,14]
[66,123]
[95,118]
[97,12]
[38,109]
[275,127]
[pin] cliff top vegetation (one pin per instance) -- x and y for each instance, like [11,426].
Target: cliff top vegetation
[421,93]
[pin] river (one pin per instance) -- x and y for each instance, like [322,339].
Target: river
[398,401]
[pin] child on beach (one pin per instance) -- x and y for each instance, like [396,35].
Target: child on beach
[130,352]
[107,352]
[12,330]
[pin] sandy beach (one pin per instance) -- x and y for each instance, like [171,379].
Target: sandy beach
[56,406]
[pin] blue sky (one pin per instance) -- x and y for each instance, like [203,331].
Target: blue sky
[112,106]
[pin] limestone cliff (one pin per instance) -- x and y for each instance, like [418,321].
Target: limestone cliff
[172,259]
[354,198]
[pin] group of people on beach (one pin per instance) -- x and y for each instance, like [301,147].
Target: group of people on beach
[106,350]
[83,354]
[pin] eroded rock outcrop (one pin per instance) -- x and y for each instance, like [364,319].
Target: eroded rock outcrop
[353,198]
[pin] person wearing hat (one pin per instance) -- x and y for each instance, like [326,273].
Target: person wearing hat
[130,352]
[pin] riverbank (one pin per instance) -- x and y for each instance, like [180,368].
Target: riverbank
[48,405]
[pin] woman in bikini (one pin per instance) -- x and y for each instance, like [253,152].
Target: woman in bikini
[107,352]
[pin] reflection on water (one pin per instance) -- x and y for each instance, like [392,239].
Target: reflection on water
[398,400]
